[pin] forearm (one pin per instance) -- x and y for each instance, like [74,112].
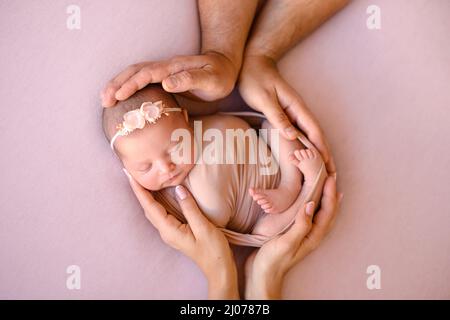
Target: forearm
[283,23]
[225,25]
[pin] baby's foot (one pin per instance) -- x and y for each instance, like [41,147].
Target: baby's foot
[274,200]
[309,163]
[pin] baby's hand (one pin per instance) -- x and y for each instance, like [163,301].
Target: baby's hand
[209,77]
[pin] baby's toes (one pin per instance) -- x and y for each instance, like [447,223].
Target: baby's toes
[271,210]
[304,154]
[298,154]
[257,194]
[267,207]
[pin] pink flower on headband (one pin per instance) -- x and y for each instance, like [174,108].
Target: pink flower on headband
[135,119]
[152,111]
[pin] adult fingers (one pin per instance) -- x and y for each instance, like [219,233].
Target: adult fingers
[197,221]
[325,216]
[298,112]
[188,80]
[108,94]
[150,73]
[154,211]
[139,75]
[333,219]
[301,227]
[278,118]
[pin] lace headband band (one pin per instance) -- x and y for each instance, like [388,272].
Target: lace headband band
[136,119]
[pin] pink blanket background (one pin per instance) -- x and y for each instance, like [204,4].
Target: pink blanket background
[381,96]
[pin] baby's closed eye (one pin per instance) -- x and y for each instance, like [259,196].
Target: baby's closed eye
[144,168]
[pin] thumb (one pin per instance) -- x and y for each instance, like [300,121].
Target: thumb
[302,224]
[279,120]
[195,218]
[187,80]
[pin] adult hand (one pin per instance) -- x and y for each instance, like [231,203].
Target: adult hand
[263,89]
[209,76]
[266,267]
[198,239]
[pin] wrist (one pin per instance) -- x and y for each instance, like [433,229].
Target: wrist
[254,50]
[265,286]
[234,60]
[223,284]
[257,60]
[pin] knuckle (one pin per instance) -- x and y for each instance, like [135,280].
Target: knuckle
[205,230]
[177,58]
[134,67]
[312,245]
[143,76]
[146,70]
[308,224]
[185,77]
[166,238]
[132,84]
[288,247]
[266,94]
[280,117]
[215,84]
[186,206]
[112,84]
[176,64]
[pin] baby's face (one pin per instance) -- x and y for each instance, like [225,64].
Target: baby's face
[147,153]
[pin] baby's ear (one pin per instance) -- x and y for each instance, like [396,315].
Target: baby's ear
[186,116]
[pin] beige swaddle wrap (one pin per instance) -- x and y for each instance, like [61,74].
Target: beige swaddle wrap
[221,192]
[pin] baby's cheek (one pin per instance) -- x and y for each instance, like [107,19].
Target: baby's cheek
[188,167]
[149,182]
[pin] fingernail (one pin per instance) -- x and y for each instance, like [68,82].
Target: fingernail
[335,176]
[117,95]
[172,82]
[126,173]
[181,192]
[290,132]
[310,208]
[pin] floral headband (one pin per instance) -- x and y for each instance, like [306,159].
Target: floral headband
[135,119]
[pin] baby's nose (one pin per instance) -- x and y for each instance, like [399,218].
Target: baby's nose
[166,166]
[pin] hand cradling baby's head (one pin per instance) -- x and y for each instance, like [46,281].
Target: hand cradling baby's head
[147,153]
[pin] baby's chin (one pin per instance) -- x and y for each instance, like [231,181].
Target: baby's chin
[178,179]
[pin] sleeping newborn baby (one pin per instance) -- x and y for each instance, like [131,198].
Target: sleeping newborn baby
[161,147]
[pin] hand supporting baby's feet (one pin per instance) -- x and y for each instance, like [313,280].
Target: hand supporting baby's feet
[308,161]
[278,200]
[274,200]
